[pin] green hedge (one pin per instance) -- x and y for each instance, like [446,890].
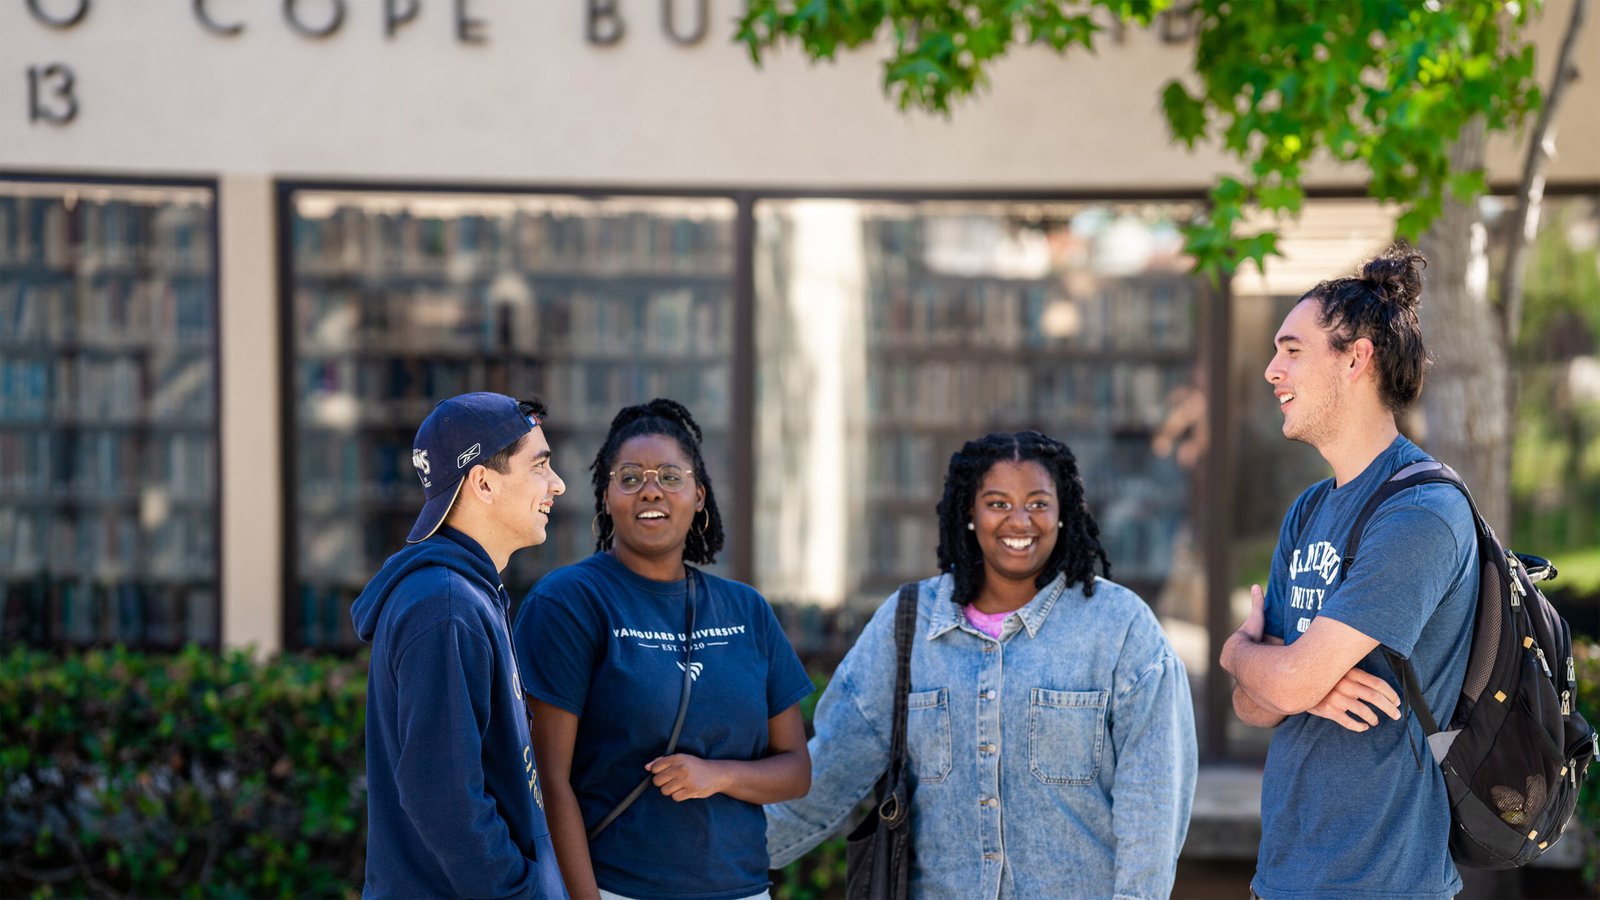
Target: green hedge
[207,775]
[186,775]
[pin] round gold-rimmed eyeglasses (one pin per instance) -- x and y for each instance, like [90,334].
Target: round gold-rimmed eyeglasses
[630,479]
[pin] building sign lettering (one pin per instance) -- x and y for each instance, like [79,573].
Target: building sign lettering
[52,87]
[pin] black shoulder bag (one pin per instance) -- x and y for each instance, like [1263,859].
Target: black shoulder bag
[878,852]
[683,705]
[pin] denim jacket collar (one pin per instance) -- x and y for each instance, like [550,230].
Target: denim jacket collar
[946,614]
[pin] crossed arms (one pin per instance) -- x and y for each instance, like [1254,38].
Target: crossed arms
[1316,674]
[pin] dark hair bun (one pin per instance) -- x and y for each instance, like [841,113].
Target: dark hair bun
[1396,276]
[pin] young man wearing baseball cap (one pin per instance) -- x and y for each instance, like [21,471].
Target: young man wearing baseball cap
[454,806]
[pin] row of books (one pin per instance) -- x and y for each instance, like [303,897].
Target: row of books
[411,319]
[110,544]
[82,232]
[588,395]
[616,320]
[108,465]
[1129,315]
[172,387]
[398,393]
[112,311]
[87,610]
[918,395]
[526,234]
[675,322]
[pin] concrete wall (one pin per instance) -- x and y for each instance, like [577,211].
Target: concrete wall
[536,101]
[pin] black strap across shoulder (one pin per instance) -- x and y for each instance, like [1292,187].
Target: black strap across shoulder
[692,578]
[893,805]
[1418,473]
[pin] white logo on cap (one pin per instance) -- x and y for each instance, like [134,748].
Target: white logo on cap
[469,456]
[419,458]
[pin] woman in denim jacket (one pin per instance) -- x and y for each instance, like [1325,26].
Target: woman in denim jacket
[1050,731]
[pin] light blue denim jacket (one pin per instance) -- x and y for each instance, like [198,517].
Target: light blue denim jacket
[1056,761]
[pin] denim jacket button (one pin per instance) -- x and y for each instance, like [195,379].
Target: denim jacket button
[988,695]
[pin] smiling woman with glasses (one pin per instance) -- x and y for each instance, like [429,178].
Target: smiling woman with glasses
[664,699]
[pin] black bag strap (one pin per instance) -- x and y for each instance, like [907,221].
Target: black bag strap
[893,805]
[1424,472]
[692,578]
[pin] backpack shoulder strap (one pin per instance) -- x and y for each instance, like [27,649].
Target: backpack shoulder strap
[1424,472]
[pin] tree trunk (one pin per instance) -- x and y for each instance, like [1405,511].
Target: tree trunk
[1466,397]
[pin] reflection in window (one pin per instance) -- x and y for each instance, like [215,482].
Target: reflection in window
[402,300]
[108,440]
[890,333]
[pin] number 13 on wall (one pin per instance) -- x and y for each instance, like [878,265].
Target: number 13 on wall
[52,94]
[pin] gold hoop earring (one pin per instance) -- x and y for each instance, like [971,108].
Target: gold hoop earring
[705,524]
[594,525]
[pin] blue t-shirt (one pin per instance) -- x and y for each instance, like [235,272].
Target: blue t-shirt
[605,644]
[1344,812]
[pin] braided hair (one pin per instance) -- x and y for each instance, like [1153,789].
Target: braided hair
[1380,305]
[670,419]
[1078,541]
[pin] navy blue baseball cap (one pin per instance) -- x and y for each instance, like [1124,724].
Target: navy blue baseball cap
[460,433]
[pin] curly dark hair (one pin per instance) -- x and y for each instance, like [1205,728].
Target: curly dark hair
[1380,305]
[1078,542]
[670,419]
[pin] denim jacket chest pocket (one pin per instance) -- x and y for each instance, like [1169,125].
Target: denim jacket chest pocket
[928,734]
[1066,735]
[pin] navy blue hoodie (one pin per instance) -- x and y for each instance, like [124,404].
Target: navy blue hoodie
[454,805]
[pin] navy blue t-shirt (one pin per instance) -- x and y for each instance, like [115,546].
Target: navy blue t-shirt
[1346,812]
[606,644]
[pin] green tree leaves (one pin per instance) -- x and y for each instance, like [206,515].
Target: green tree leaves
[1386,85]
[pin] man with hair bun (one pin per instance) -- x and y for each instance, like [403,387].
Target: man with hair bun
[1347,806]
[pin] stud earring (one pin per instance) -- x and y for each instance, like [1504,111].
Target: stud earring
[1061,524]
[971,527]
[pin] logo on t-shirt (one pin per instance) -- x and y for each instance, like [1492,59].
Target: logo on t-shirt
[695,668]
[1320,559]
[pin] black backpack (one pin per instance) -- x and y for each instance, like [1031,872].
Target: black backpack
[1515,750]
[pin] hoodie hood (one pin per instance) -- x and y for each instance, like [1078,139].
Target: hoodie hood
[448,548]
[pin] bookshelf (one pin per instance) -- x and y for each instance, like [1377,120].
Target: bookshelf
[398,300]
[965,318]
[108,414]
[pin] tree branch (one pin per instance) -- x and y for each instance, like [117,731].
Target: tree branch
[1530,193]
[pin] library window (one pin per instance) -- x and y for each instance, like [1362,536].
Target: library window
[108,414]
[399,300]
[890,333]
